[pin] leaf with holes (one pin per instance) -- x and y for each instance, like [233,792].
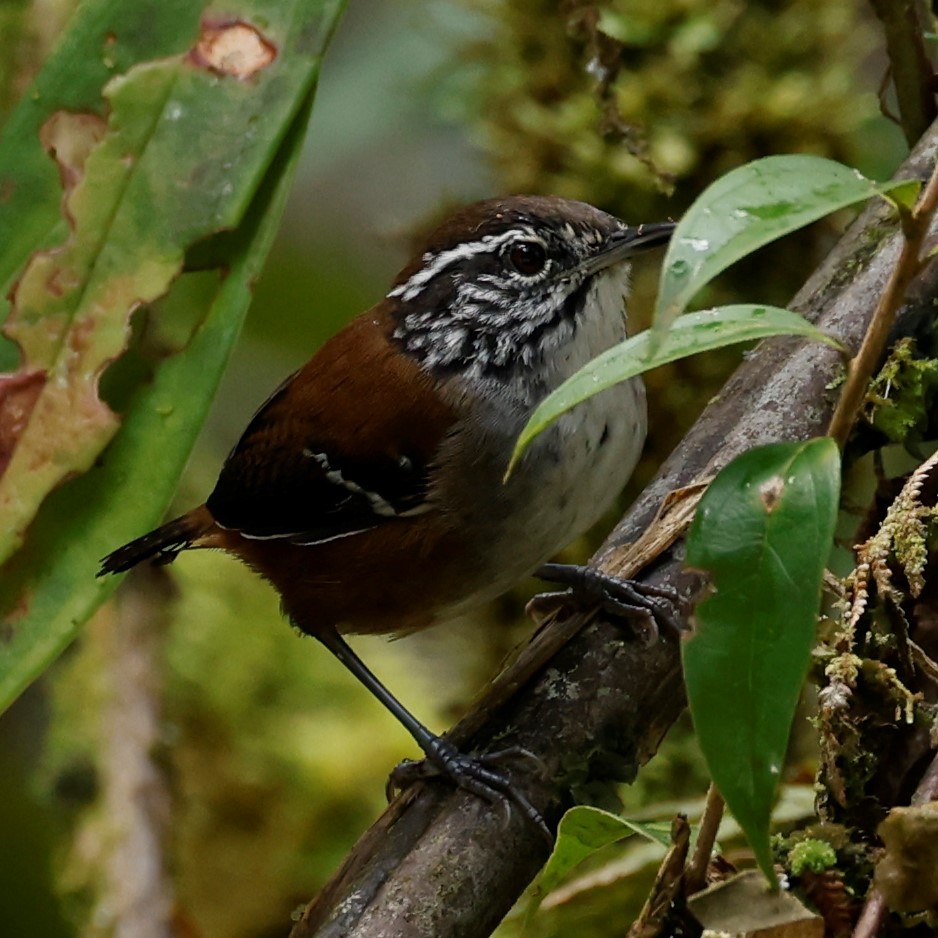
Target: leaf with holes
[179,156]
[199,149]
[763,532]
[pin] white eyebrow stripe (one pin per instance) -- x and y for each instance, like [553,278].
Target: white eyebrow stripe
[436,263]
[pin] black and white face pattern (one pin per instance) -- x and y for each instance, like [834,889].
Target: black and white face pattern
[511,290]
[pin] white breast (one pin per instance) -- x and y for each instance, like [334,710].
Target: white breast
[569,476]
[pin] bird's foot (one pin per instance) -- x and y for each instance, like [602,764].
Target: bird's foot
[649,609]
[481,775]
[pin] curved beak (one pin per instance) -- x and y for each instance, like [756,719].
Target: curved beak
[624,244]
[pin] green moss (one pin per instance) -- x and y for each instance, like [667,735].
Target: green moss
[813,856]
[901,396]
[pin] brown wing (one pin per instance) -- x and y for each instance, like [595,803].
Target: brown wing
[344,445]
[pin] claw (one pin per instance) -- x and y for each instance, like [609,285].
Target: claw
[654,606]
[478,775]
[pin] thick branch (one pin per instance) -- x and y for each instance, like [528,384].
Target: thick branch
[441,862]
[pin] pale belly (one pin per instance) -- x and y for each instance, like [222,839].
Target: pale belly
[569,478]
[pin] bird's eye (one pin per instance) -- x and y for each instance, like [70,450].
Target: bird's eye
[528,258]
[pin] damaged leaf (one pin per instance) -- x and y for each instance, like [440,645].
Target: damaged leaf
[107,38]
[763,532]
[183,153]
[744,908]
[186,152]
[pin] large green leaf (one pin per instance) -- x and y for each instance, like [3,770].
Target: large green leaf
[746,209]
[763,532]
[702,331]
[128,246]
[187,141]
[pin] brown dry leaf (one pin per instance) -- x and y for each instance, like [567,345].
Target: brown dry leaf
[745,908]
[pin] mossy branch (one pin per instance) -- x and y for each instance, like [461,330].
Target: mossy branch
[908,266]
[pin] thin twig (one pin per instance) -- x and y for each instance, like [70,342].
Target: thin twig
[907,268]
[666,888]
[928,787]
[908,60]
[874,911]
[696,876]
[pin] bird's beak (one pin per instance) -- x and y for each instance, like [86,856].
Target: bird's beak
[624,244]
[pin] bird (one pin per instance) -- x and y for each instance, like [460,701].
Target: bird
[370,488]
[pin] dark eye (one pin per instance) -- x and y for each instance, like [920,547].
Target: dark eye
[528,258]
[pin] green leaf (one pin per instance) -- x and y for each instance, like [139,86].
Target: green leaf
[48,588]
[51,583]
[30,210]
[701,331]
[763,532]
[583,831]
[184,149]
[746,209]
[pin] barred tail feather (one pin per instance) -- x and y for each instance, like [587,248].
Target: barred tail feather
[161,545]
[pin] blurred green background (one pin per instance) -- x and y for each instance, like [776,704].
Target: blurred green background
[274,760]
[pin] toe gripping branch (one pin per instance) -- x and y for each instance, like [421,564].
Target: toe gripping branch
[649,610]
[482,775]
[656,607]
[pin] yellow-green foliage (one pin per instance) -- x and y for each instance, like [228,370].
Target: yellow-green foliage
[279,757]
[274,756]
[601,101]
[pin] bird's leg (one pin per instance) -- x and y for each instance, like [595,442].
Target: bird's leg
[657,607]
[479,775]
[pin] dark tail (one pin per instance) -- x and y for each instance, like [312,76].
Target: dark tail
[161,545]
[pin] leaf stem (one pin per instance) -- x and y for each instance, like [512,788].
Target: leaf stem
[909,264]
[696,877]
